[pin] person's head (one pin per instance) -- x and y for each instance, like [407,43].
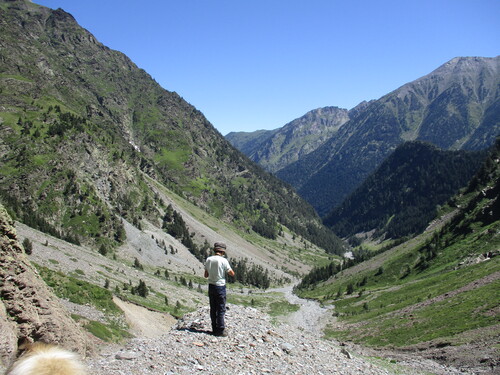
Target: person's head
[220,248]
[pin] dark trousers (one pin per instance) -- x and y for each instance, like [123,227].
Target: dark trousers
[217,295]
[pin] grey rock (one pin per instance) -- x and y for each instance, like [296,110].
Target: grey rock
[127,356]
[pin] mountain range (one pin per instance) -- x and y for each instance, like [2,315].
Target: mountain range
[457,106]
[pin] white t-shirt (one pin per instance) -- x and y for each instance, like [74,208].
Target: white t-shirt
[217,268]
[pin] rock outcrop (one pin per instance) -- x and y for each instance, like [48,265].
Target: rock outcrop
[29,311]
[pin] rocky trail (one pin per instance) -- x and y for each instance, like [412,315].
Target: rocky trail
[255,345]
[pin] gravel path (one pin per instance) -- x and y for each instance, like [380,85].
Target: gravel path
[254,346]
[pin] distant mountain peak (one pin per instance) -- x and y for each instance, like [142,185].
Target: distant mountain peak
[282,146]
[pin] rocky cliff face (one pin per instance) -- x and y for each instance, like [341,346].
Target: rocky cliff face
[28,309]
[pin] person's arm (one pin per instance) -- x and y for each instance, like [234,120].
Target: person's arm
[206,273]
[230,273]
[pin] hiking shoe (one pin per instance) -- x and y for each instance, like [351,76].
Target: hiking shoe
[220,333]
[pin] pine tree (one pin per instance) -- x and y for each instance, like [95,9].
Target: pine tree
[103,250]
[142,289]
[137,264]
[28,246]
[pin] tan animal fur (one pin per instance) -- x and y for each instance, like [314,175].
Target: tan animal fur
[46,359]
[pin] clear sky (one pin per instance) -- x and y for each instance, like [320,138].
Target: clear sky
[259,64]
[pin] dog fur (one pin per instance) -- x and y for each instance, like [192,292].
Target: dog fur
[46,359]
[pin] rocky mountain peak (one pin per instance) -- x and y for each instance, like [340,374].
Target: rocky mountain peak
[471,64]
[318,120]
[277,149]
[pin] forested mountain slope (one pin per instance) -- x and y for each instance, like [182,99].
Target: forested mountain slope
[402,196]
[88,139]
[436,294]
[457,106]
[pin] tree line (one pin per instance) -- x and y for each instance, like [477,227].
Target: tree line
[246,274]
[250,274]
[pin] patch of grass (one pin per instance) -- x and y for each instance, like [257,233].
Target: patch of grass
[313,258]
[176,150]
[79,291]
[375,246]
[16,77]
[41,160]
[279,308]
[7,170]
[156,302]
[239,181]
[82,293]
[88,222]
[385,300]
[108,333]
[217,208]
[197,186]
[464,312]
[382,322]
[392,366]
[271,303]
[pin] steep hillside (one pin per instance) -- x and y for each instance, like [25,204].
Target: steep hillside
[454,107]
[401,197]
[28,308]
[436,294]
[88,141]
[274,150]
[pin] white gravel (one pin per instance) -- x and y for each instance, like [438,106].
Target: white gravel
[254,346]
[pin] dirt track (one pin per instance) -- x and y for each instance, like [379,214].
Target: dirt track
[143,322]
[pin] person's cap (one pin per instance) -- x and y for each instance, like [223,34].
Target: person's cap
[220,246]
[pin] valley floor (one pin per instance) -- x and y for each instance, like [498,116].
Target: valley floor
[255,345]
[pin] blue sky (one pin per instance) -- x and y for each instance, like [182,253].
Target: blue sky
[259,64]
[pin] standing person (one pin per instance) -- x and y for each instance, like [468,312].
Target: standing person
[216,268]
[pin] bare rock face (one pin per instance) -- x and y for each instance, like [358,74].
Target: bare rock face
[8,343]
[29,311]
